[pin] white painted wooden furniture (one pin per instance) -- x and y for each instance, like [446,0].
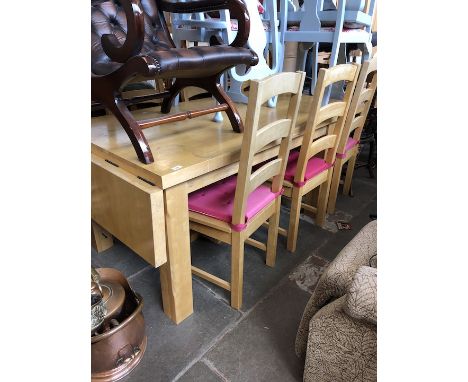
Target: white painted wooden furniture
[350,22]
[263,37]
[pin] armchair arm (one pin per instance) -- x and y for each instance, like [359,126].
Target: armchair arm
[135,33]
[237,10]
[361,300]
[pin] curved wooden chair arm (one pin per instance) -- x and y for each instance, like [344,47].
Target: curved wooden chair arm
[237,10]
[135,33]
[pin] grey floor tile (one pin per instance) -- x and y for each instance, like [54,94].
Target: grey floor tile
[341,238]
[119,257]
[307,274]
[172,347]
[200,372]
[258,277]
[364,190]
[261,347]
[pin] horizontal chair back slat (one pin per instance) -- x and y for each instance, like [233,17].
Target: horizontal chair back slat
[322,144]
[357,123]
[272,132]
[366,95]
[286,82]
[264,173]
[339,73]
[335,109]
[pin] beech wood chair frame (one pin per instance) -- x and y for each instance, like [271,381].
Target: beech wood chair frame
[366,87]
[327,144]
[254,140]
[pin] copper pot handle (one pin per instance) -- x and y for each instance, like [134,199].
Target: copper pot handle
[126,356]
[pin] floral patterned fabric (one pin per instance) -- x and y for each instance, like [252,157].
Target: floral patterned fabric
[337,333]
[361,300]
[340,348]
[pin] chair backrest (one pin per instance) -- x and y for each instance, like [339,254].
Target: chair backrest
[361,101]
[109,18]
[256,138]
[328,113]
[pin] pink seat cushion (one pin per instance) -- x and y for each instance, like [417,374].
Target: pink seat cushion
[350,143]
[315,166]
[217,201]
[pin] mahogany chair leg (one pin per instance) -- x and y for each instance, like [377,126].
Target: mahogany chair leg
[168,101]
[133,130]
[220,95]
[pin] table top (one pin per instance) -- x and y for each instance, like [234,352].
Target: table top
[187,149]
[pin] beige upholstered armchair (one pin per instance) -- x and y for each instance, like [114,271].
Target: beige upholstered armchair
[338,331]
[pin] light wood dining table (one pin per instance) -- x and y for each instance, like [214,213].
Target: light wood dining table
[145,206]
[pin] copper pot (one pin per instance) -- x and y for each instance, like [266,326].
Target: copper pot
[117,350]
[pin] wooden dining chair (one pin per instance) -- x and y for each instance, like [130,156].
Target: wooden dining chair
[232,209]
[306,169]
[348,147]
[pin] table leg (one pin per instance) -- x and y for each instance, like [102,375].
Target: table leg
[176,274]
[100,238]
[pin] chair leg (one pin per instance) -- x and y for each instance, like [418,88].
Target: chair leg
[168,101]
[349,175]
[220,95]
[237,269]
[323,201]
[334,185]
[296,200]
[115,104]
[273,224]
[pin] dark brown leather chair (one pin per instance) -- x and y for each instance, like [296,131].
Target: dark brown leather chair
[130,42]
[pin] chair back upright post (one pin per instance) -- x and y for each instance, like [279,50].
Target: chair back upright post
[320,114]
[364,92]
[256,138]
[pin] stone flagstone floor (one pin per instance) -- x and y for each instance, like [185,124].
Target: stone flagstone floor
[218,343]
